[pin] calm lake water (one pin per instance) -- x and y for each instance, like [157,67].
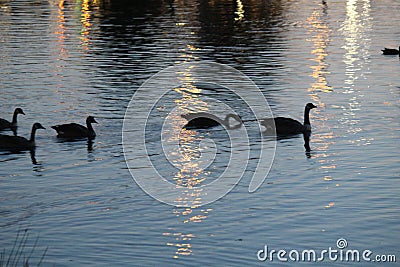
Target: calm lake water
[63,60]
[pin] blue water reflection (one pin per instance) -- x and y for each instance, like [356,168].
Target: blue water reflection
[61,61]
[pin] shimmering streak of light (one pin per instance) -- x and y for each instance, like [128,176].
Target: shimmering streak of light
[239,11]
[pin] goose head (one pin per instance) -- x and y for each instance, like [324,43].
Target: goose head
[19,111]
[14,118]
[310,106]
[90,119]
[236,117]
[37,125]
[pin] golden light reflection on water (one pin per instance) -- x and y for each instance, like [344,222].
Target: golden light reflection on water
[60,52]
[86,23]
[84,11]
[182,243]
[239,10]
[191,175]
[320,37]
[60,30]
[319,31]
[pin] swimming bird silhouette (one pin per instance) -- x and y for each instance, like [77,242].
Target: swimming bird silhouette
[390,51]
[288,126]
[74,130]
[6,125]
[204,120]
[20,143]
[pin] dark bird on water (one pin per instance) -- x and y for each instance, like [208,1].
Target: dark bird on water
[6,125]
[74,130]
[18,142]
[288,126]
[390,51]
[204,120]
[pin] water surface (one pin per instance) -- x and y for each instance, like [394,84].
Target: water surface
[61,61]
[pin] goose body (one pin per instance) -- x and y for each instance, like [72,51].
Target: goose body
[283,126]
[390,51]
[18,142]
[203,120]
[6,125]
[74,130]
[288,126]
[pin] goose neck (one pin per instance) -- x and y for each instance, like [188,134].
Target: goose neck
[14,118]
[90,128]
[307,116]
[33,132]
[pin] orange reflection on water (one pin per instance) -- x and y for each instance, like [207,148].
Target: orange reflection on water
[60,29]
[59,51]
[320,38]
[86,24]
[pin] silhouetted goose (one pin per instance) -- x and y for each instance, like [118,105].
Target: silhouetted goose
[74,130]
[204,120]
[18,142]
[5,124]
[390,51]
[288,126]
